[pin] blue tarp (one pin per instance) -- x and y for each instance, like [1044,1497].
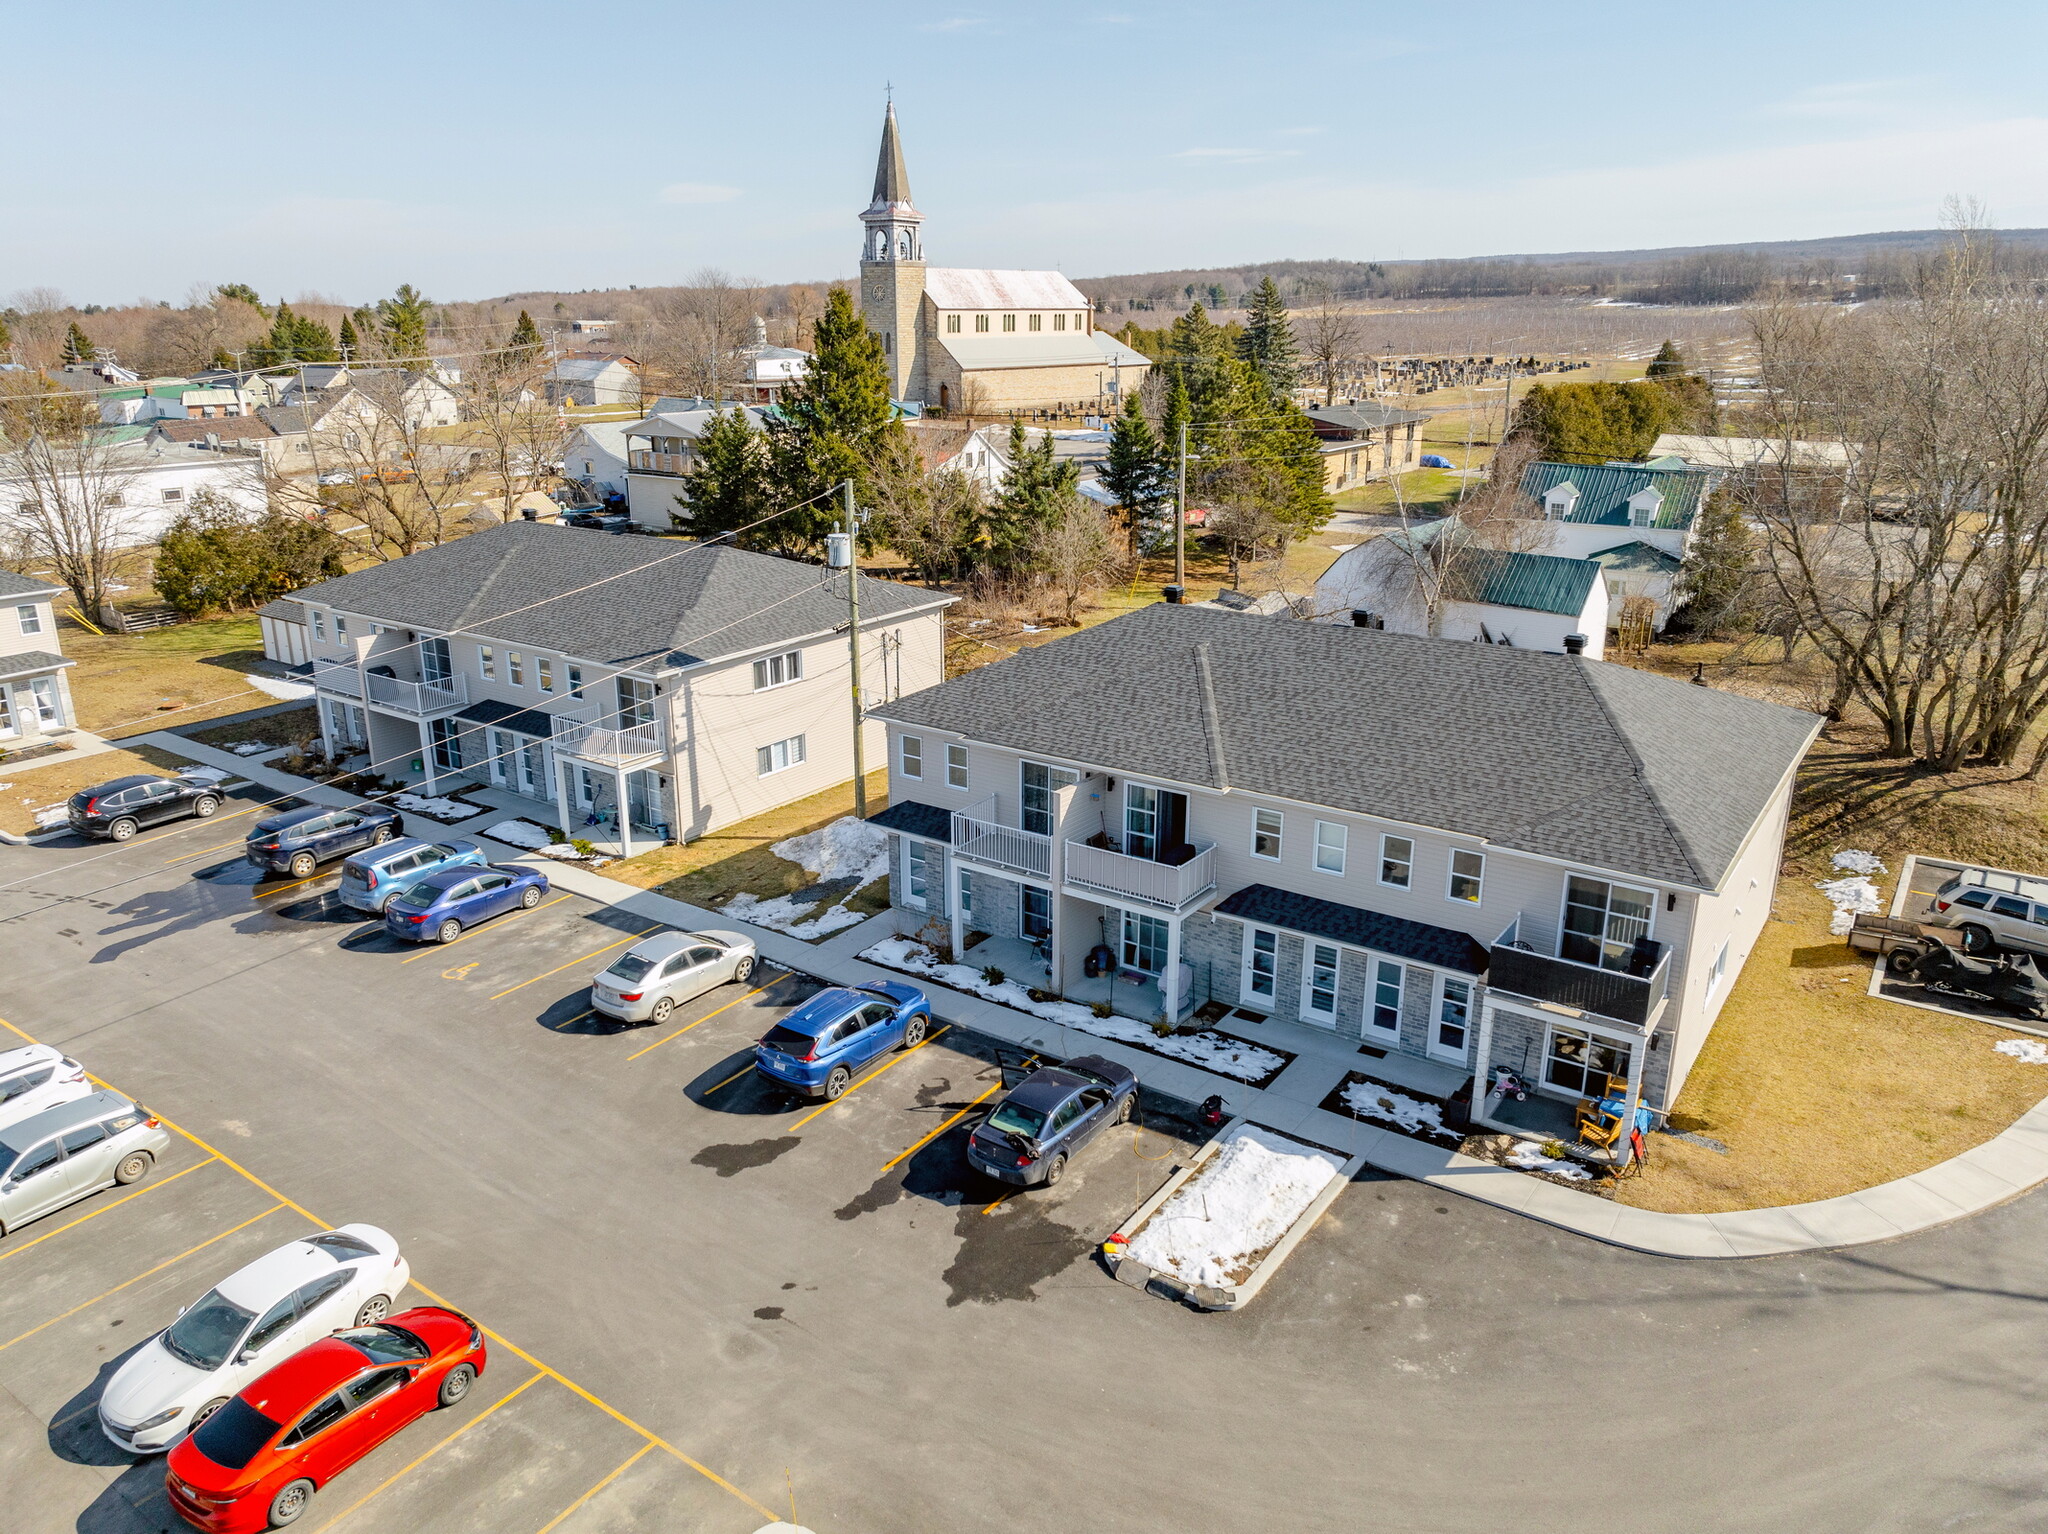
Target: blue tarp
[1436,461]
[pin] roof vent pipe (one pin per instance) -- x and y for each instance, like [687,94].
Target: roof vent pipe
[1575,644]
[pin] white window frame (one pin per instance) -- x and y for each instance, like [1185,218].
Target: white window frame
[30,616]
[1451,876]
[173,494]
[779,670]
[1249,972]
[1277,834]
[910,756]
[1311,966]
[340,626]
[1375,963]
[1406,860]
[42,692]
[1325,844]
[1438,1021]
[956,767]
[487,662]
[515,669]
[320,627]
[778,756]
[544,673]
[1718,970]
[917,868]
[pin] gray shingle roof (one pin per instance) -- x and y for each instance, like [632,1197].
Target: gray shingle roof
[926,821]
[1365,415]
[1438,947]
[14,584]
[600,597]
[510,716]
[284,609]
[32,663]
[1550,754]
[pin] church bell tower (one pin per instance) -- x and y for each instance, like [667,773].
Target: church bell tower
[892,268]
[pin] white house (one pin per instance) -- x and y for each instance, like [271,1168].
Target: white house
[595,455]
[35,694]
[144,482]
[1635,519]
[593,378]
[661,449]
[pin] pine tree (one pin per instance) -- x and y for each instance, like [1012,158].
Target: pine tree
[403,319]
[1716,585]
[1267,345]
[6,336]
[1668,361]
[78,347]
[312,341]
[351,343]
[241,292]
[222,359]
[730,488]
[525,344]
[828,425]
[1035,496]
[1136,473]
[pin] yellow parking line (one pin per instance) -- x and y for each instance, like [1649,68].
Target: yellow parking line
[992,1208]
[956,1118]
[735,1076]
[870,1076]
[473,931]
[580,958]
[756,991]
[266,894]
[565,1022]
[532,1379]
[117,1203]
[138,1278]
[556,1522]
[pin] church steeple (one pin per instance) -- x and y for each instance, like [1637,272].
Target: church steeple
[892,269]
[892,221]
[892,181]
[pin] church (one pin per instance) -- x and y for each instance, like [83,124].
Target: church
[968,341]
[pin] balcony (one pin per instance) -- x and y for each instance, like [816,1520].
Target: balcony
[338,677]
[1634,999]
[647,462]
[1098,871]
[980,838]
[420,699]
[612,747]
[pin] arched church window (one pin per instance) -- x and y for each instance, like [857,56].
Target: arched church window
[905,247]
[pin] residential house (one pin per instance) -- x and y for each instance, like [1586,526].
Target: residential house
[767,370]
[662,448]
[1363,440]
[251,433]
[691,684]
[593,378]
[421,399]
[1469,856]
[1432,579]
[144,480]
[287,634]
[595,456]
[985,456]
[1634,519]
[35,695]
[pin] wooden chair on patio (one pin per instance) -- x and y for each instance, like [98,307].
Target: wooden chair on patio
[1602,1131]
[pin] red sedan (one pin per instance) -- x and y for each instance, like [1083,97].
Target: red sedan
[256,1462]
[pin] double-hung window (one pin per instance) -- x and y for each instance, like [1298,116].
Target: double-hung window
[1453,1018]
[779,756]
[1266,826]
[320,627]
[340,626]
[487,662]
[910,755]
[917,874]
[1319,983]
[30,617]
[544,673]
[1383,1001]
[1261,966]
[1718,970]
[515,668]
[1330,840]
[956,766]
[778,670]
[1397,861]
[1468,872]
[575,677]
[1602,922]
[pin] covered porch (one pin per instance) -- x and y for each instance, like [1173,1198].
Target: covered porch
[1581,1076]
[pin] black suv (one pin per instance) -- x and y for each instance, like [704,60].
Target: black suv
[117,810]
[299,841]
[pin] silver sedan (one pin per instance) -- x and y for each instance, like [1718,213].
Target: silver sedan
[647,982]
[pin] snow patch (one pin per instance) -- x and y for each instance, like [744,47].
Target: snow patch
[252,747]
[290,691]
[1369,1097]
[447,811]
[1531,1157]
[848,848]
[204,774]
[52,815]
[1851,897]
[1211,1051]
[787,913]
[2026,1051]
[1215,1228]
[1855,862]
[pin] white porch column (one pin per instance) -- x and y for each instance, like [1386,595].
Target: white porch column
[1169,982]
[624,810]
[325,710]
[429,782]
[565,794]
[955,874]
[1638,1051]
[1482,1057]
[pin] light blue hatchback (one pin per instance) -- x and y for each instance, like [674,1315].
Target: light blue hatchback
[371,878]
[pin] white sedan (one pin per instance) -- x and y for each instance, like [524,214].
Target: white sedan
[252,1320]
[647,982]
[36,1077]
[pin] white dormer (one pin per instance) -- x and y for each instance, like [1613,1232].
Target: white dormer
[1644,505]
[1559,500]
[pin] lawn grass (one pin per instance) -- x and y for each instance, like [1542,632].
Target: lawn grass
[286,727]
[736,861]
[49,780]
[122,681]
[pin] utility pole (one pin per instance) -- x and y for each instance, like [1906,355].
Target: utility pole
[1180,518]
[860,766]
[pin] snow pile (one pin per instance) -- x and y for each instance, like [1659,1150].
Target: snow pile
[204,774]
[1528,1156]
[1851,897]
[520,833]
[1215,1228]
[1381,1102]
[2026,1051]
[253,747]
[290,691]
[1211,1051]
[1855,862]
[52,815]
[446,810]
[787,913]
[848,848]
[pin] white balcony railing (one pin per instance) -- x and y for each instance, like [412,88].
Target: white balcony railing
[338,676]
[981,839]
[1169,886]
[422,698]
[597,744]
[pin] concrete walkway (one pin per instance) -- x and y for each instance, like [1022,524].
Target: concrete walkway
[2002,1168]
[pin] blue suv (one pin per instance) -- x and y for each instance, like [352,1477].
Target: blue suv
[370,879]
[817,1048]
[435,908]
[299,841]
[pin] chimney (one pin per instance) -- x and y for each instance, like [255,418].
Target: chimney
[1575,644]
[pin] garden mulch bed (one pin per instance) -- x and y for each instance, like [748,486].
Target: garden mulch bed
[1395,1116]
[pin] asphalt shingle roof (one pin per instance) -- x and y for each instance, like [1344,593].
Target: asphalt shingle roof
[1550,754]
[1635,556]
[32,663]
[1542,583]
[510,716]
[926,821]
[618,601]
[14,584]
[1604,489]
[1365,415]
[1439,947]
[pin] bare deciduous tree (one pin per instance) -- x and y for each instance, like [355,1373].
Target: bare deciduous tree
[694,331]
[514,435]
[1079,552]
[1330,337]
[64,487]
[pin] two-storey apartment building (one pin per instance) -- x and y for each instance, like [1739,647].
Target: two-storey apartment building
[656,688]
[1474,855]
[35,696]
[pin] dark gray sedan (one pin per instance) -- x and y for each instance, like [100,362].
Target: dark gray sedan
[1046,1118]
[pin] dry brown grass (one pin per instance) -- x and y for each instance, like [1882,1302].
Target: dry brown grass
[122,681]
[31,786]
[287,727]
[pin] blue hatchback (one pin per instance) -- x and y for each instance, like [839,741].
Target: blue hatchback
[817,1048]
[436,907]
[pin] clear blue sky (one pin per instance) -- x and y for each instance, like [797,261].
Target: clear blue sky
[477,149]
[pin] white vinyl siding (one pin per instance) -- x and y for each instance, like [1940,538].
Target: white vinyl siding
[780,756]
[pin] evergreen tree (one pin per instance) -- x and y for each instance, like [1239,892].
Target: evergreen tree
[241,292]
[1692,397]
[403,319]
[1034,499]
[730,487]
[222,359]
[78,347]
[6,335]
[1595,422]
[217,557]
[1137,473]
[828,426]
[1267,345]
[1716,586]
[292,338]
[1669,360]
[351,343]
[525,345]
